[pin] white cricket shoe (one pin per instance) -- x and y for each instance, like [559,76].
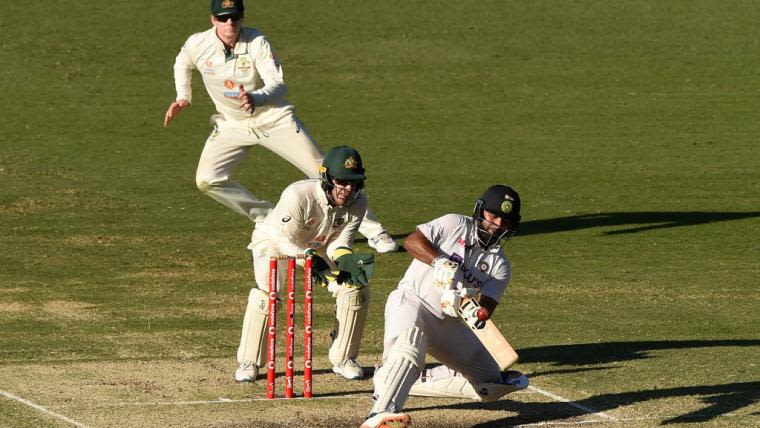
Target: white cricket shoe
[247,372]
[349,370]
[383,243]
[387,420]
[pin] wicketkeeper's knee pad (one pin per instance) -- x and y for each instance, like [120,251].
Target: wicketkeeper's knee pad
[255,321]
[351,308]
[399,371]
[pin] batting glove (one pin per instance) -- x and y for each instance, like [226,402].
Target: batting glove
[444,271]
[450,302]
[469,313]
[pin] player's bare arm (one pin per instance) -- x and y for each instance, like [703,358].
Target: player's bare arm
[173,110]
[419,247]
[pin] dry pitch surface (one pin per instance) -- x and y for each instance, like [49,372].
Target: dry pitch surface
[196,393]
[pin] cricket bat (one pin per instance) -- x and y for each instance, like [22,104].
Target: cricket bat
[489,335]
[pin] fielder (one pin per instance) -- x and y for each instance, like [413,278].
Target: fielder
[456,259]
[318,214]
[244,79]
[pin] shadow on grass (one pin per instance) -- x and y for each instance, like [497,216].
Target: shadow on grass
[602,353]
[719,400]
[635,221]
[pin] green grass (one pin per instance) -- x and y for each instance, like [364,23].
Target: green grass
[628,127]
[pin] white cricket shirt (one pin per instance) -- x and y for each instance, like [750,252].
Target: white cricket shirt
[454,236]
[252,63]
[304,219]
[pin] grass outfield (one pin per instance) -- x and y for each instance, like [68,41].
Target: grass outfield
[629,128]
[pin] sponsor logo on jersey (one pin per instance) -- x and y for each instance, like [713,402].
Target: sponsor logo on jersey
[232,93]
[209,69]
[461,242]
[456,258]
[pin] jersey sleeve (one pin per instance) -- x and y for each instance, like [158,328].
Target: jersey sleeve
[290,215]
[184,65]
[437,230]
[269,69]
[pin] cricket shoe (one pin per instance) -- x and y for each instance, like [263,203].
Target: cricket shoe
[387,420]
[349,370]
[383,243]
[247,372]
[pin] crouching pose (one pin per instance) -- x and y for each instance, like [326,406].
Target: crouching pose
[457,259]
[320,214]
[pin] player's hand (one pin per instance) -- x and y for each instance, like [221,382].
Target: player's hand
[351,267]
[174,109]
[450,302]
[444,271]
[473,316]
[320,270]
[246,100]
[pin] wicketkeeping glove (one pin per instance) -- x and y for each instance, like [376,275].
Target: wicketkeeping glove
[320,270]
[352,267]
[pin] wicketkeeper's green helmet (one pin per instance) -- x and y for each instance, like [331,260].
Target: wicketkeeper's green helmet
[343,163]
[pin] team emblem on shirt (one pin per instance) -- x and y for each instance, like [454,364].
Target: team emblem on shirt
[243,63]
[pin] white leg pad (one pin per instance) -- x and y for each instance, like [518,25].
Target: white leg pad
[253,337]
[351,308]
[399,371]
[438,383]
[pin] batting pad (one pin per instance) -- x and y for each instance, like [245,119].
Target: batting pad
[450,384]
[399,371]
[351,308]
[254,328]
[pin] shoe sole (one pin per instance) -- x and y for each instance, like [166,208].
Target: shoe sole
[399,421]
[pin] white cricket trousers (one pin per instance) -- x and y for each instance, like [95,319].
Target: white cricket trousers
[449,340]
[230,142]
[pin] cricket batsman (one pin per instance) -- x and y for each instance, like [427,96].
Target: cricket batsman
[244,79]
[317,217]
[450,289]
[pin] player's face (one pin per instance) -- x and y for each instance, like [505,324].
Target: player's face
[343,191]
[493,224]
[227,26]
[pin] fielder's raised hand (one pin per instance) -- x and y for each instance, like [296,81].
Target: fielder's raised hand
[173,110]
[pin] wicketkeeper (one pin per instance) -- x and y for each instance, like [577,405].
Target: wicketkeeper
[452,286]
[319,217]
[244,79]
